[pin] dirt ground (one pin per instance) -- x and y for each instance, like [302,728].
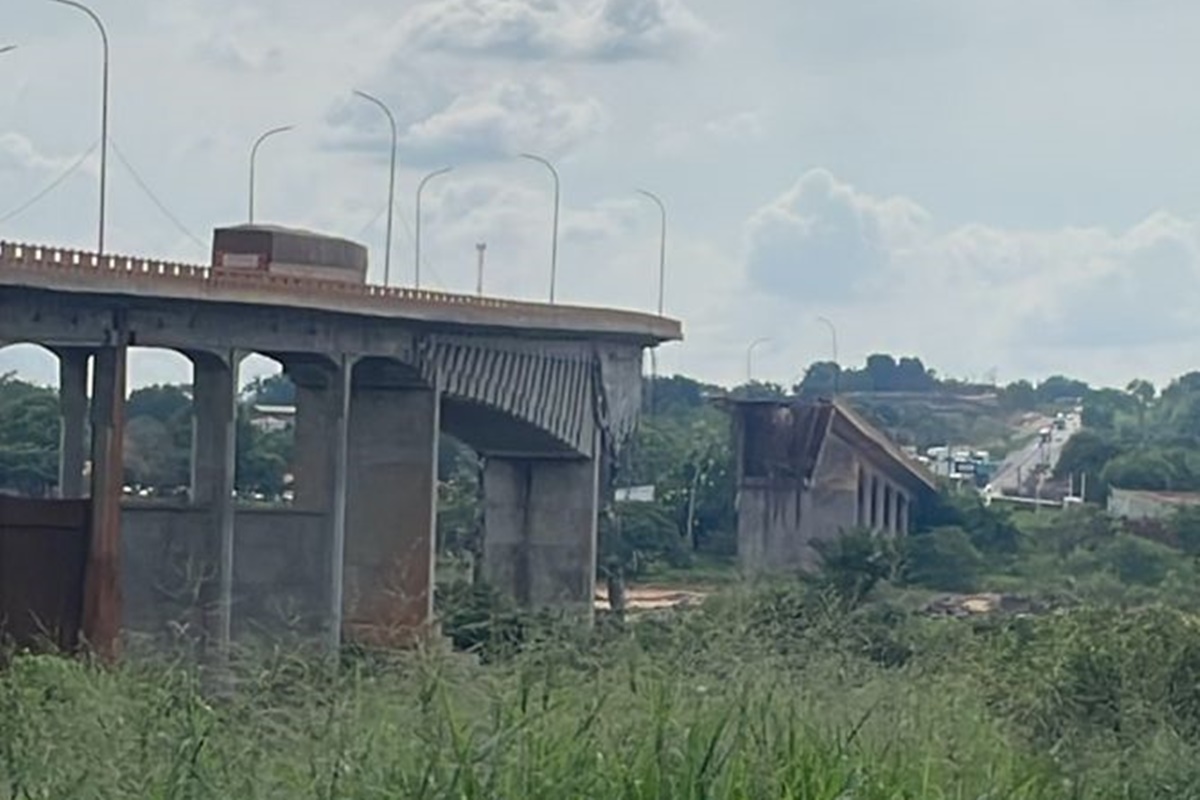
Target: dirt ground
[647,598]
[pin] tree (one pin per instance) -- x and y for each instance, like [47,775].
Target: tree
[1019,396]
[881,369]
[943,559]
[911,376]
[158,437]
[819,380]
[1148,469]
[1087,453]
[164,403]
[854,563]
[1142,390]
[28,436]
[675,395]
[1059,387]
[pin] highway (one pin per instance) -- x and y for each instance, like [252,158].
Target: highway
[1022,462]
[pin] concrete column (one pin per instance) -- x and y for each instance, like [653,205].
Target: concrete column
[875,488]
[317,407]
[391,514]
[102,591]
[889,508]
[861,503]
[319,465]
[540,530]
[73,406]
[214,464]
[902,512]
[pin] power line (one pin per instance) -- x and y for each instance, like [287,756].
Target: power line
[154,198]
[363,231]
[51,186]
[437,279]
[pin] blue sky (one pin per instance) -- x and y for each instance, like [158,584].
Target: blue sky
[1006,186]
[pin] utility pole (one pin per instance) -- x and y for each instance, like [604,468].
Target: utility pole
[387,252]
[103,113]
[480,248]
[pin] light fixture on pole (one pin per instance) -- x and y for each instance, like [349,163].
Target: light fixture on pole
[554,236]
[8,48]
[837,367]
[750,357]
[103,114]
[254,156]
[417,225]
[662,246]
[387,253]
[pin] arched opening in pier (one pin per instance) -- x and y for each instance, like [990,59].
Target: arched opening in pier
[158,436]
[266,425]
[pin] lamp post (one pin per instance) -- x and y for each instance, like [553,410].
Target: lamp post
[662,245]
[103,114]
[254,156]
[837,368]
[387,253]
[554,238]
[8,48]
[750,357]
[417,225]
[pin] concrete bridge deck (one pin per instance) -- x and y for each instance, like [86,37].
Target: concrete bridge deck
[65,270]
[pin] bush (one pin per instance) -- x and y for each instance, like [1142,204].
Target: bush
[477,618]
[1138,561]
[942,559]
[854,563]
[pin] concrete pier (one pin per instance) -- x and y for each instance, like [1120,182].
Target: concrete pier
[540,523]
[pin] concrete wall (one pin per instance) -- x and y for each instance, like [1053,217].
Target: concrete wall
[169,573]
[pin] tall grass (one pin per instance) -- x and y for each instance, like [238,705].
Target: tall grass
[750,698]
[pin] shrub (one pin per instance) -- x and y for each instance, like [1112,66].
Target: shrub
[942,559]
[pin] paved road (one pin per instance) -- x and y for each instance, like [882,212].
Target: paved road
[1020,463]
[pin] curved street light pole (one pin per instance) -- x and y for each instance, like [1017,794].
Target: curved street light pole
[253,157]
[103,114]
[387,252]
[750,357]
[554,239]
[662,246]
[837,367]
[417,223]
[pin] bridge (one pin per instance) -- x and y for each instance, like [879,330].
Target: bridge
[546,394]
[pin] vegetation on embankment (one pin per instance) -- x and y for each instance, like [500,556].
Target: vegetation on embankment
[788,691]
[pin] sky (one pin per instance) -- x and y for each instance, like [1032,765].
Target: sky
[1005,189]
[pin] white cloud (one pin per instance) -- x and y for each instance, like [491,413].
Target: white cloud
[17,152]
[885,265]
[824,240]
[683,140]
[606,30]
[503,119]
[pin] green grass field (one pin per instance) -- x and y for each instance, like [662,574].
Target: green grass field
[779,694]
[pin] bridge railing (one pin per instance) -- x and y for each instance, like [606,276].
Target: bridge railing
[128,269]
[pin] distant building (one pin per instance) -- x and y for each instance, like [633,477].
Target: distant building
[809,471]
[269,418]
[1133,504]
